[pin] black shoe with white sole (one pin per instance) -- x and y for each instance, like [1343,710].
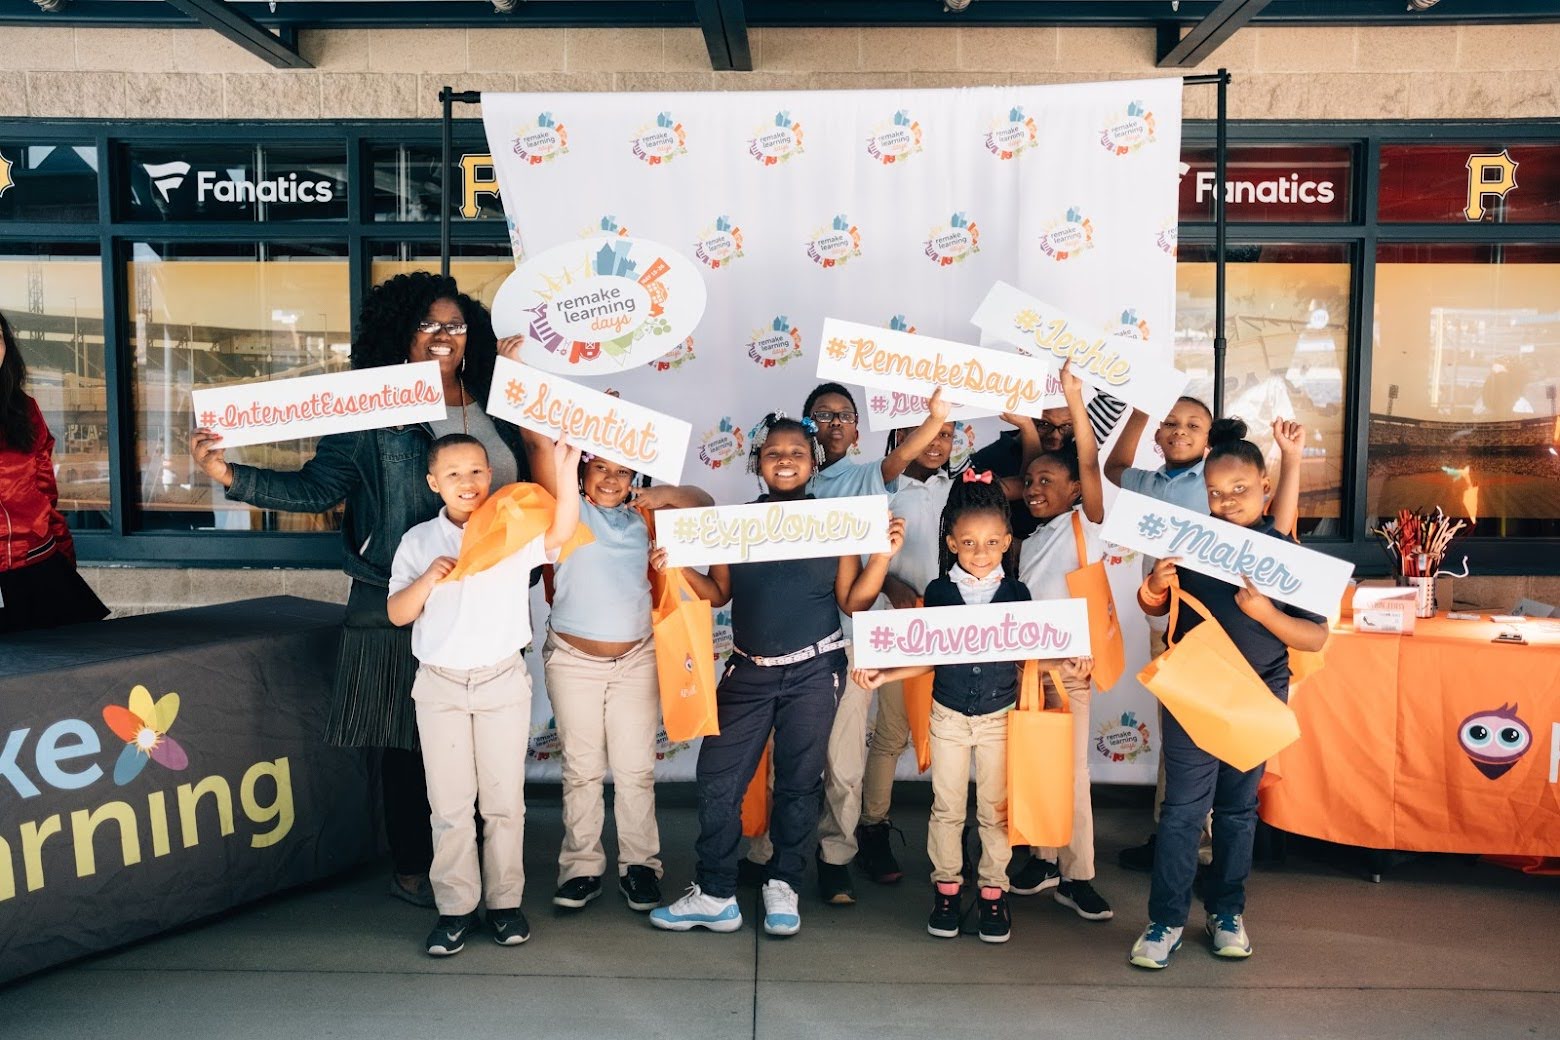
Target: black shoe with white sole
[449,934]
[1084,901]
[996,922]
[834,884]
[577,892]
[1035,876]
[509,927]
[641,888]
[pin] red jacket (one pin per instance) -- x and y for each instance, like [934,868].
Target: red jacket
[31,527]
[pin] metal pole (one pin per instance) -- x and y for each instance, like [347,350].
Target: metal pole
[1220,158]
[447,98]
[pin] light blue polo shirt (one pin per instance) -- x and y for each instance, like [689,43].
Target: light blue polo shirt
[1186,488]
[602,590]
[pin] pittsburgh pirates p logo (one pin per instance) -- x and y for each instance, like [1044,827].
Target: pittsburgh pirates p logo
[5,174]
[1488,175]
[479,179]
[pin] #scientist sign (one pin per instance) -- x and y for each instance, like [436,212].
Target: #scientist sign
[1279,568]
[645,441]
[971,635]
[1136,371]
[312,406]
[765,531]
[603,304]
[993,380]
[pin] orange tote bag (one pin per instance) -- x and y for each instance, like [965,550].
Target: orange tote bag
[685,660]
[759,796]
[1039,765]
[1215,694]
[1090,582]
[918,712]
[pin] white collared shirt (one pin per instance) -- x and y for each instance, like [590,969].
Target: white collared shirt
[975,591]
[478,620]
[1047,555]
[920,503]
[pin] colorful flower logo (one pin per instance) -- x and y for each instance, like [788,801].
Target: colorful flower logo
[1129,131]
[894,140]
[1123,739]
[722,444]
[775,345]
[1068,237]
[953,242]
[674,358]
[1007,138]
[660,142]
[836,244]
[1130,326]
[143,726]
[542,141]
[719,244]
[778,142]
[637,309]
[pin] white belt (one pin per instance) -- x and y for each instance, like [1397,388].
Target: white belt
[836,641]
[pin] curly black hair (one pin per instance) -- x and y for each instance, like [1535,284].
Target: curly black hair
[1227,439]
[973,496]
[16,429]
[389,318]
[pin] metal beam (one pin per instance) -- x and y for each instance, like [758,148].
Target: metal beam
[733,16]
[238,27]
[714,33]
[1207,35]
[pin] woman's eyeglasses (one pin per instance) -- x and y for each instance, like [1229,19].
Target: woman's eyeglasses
[454,328]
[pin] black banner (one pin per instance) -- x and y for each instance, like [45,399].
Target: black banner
[159,769]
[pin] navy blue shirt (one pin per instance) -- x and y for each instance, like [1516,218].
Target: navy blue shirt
[975,689]
[1266,653]
[781,606]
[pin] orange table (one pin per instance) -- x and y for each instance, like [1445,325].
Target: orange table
[1440,741]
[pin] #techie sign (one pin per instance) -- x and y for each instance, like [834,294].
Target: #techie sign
[641,439]
[1136,371]
[970,635]
[762,531]
[312,406]
[1279,568]
[992,380]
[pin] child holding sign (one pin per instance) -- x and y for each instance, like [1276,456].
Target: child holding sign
[1063,491]
[472,692]
[970,703]
[1195,781]
[786,675]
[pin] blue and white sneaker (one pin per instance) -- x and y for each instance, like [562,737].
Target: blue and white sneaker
[1154,947]
[697,910]
[781,915]
[1228,932]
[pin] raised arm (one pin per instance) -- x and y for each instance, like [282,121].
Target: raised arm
[1088,449]
[323,481]
[856,587]
[906,451]
[1028,451]
[1125,451]
[566,514]
[1285,507]
[672,496]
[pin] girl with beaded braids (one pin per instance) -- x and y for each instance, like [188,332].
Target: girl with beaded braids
[786,674]
[381,476]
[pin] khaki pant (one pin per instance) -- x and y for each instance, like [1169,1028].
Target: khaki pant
[842,775]
[1077,859]
[474,725]
[955,738]
[890,737]
[1156,646]
[608,711]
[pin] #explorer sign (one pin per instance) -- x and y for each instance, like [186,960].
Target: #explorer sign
[762,531]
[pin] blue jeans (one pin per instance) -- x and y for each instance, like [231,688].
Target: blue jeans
[797,702]
[1195,781]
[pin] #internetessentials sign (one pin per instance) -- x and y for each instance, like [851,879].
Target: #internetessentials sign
[603,304]
[869,356]
[1279,568]
[761,531]
[312,406]
[637,437]
[1138,372]
[970,635]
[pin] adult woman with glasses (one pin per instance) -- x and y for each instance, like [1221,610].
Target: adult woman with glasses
[381,476]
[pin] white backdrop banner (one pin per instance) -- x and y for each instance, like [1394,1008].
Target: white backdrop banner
[894,208]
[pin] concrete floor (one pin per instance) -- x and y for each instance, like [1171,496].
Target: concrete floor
[1446,946]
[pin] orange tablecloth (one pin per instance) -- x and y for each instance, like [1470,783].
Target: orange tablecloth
[1383,760]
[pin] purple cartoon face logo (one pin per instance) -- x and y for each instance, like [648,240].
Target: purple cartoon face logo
[1494,740]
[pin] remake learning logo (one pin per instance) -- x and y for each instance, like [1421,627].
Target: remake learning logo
[1006,138]
[607,225]
[953,242]
[776,142]
[719,243]
[1122,739]
[660,142]
[836,244]
[1068,236]
[722,444]
[963,446]
[1129,326]
[775,345]
[1167,238]
[677,357]
[895,139]
[541,141]
[1129,131]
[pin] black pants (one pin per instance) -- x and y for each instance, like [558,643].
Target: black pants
[404,787]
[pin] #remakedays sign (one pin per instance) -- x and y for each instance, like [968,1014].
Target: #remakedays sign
[972,634]
[1136,371]
[883,358]
[763,531]
[645,441]
[603,304]
[312,406]
[1279,568]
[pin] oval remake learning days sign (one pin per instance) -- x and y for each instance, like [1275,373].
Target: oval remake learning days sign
[602,304]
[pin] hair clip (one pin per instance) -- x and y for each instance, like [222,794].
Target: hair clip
[586,456]
[810,425]
[971,477]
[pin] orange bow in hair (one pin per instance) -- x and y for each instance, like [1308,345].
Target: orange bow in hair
[971,477]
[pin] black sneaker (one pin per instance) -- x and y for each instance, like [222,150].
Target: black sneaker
[1139,857]
[641,888]
[874,855]
[996,923]
[1037,875]
[509,927]
[449,934]
[751,873]
[834,884]
[1086,902]
[944,921]
[577,892]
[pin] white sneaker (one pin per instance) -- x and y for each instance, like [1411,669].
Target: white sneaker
[781,916]
[697,910]
[1228,932]
[1154,947]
